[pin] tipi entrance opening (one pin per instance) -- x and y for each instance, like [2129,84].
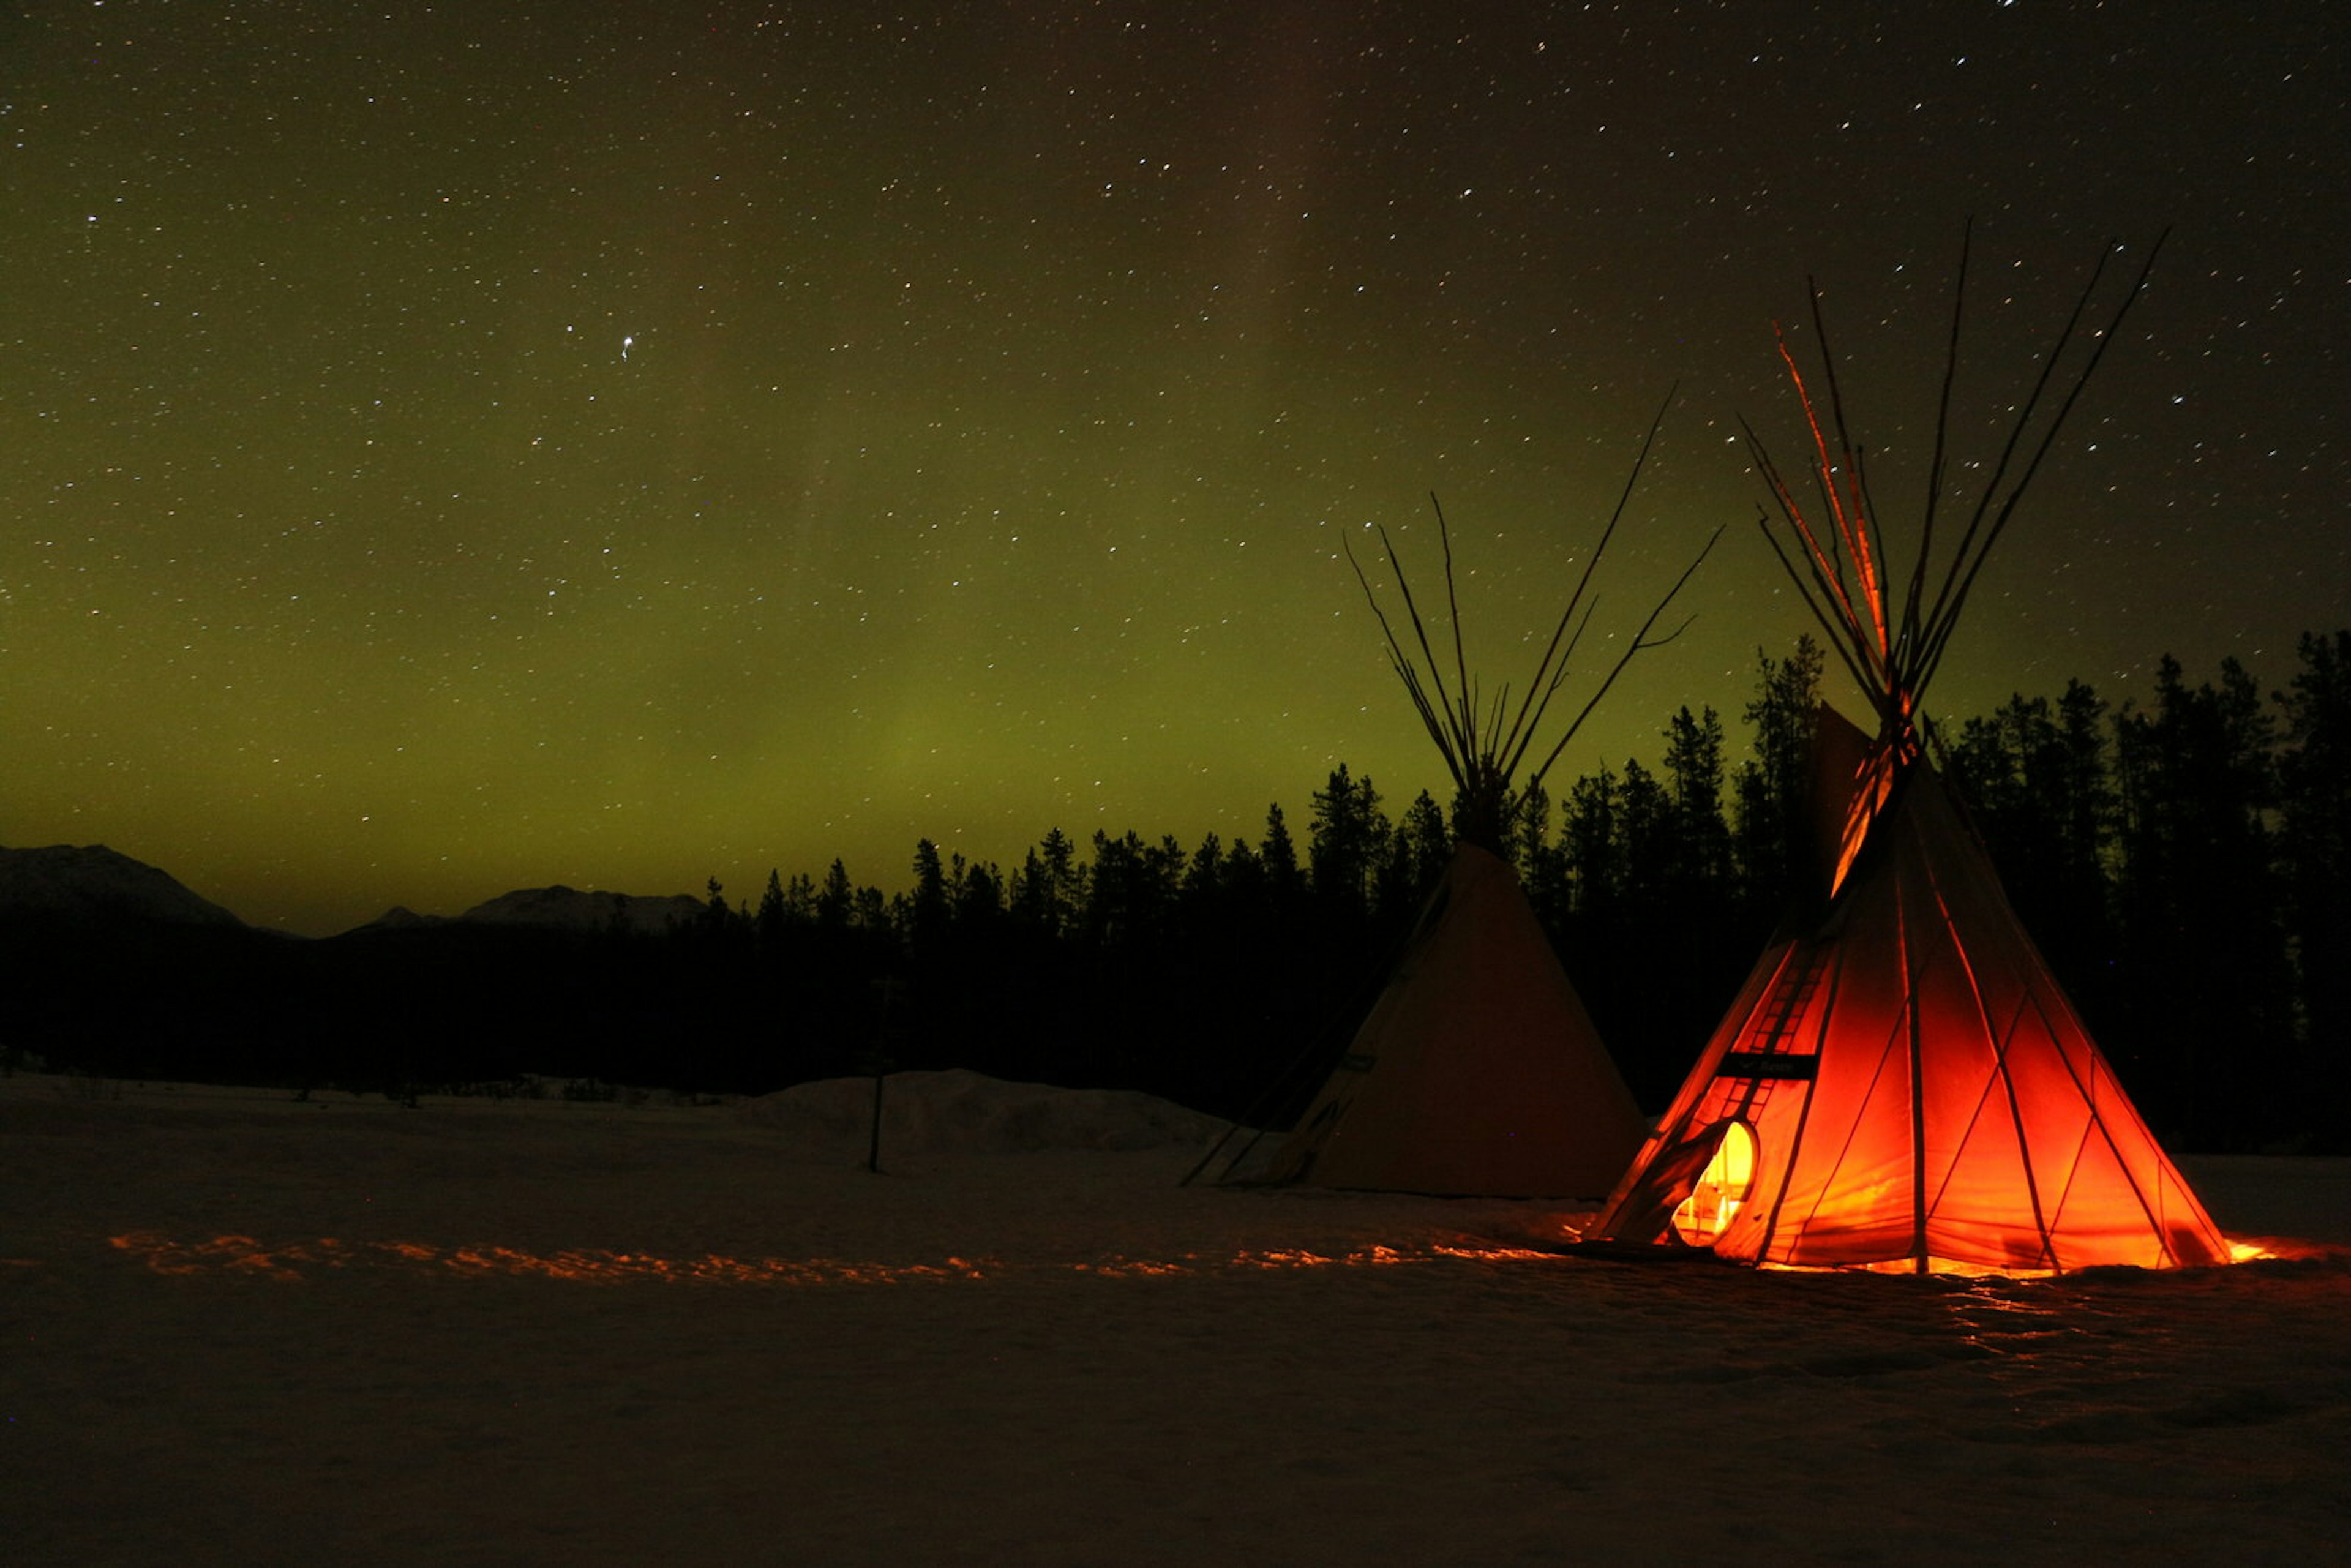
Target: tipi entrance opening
[1722,1188]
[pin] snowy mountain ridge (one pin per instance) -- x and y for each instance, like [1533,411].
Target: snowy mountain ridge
[89,882]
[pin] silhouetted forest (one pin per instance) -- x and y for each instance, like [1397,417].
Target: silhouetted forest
[2183,864]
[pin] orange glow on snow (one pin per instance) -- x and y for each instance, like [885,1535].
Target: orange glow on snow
[244,1255]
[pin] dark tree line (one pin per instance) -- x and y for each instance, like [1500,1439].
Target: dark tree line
[2183,864]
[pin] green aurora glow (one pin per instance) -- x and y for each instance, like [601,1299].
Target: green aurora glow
[500,445]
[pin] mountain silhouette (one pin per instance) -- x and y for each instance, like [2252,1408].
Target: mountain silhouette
[556,908]
[91,884]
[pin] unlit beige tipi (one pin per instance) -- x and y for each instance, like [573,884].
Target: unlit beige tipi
[1478,1071]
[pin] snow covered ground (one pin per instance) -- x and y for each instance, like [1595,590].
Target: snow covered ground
[244,1329]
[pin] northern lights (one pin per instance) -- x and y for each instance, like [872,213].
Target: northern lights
[496,445]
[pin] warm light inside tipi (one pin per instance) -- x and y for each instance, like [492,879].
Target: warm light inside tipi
[1902,1084]
[1722,1188]
[1905,1085]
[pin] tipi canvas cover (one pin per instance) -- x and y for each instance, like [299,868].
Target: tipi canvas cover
[1901,1083]
[1904,1085]
[1478,1070]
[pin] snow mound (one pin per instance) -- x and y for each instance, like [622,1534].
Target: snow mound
[961,1111]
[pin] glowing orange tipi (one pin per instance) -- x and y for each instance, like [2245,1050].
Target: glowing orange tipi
[1902,1084]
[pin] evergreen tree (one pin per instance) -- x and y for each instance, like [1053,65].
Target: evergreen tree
[2035,783]
[1204,876]
[1346,839]
[978,892]
[1771,790]
[2314,836]
[2208,981]
[1121,899]
[1593,844]
[836,901]
[772,914]
[1425,839]
[1164,866]
[927,905]
[1242,874]
[1065,878]
[1529,835]
[1283,881]
[1049,888]
[2009,768]
[1645,815]
[1031,901]
[1545,870]
[799,899]
[2084,783]
[1700,863]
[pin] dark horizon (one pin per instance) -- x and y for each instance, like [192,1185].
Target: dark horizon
[2178,868]
[744,893]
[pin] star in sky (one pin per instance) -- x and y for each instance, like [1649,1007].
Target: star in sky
[457,451]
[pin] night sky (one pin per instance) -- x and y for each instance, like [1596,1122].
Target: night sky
[497,445]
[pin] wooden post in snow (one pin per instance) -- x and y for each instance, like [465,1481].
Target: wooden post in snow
[884,1025]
